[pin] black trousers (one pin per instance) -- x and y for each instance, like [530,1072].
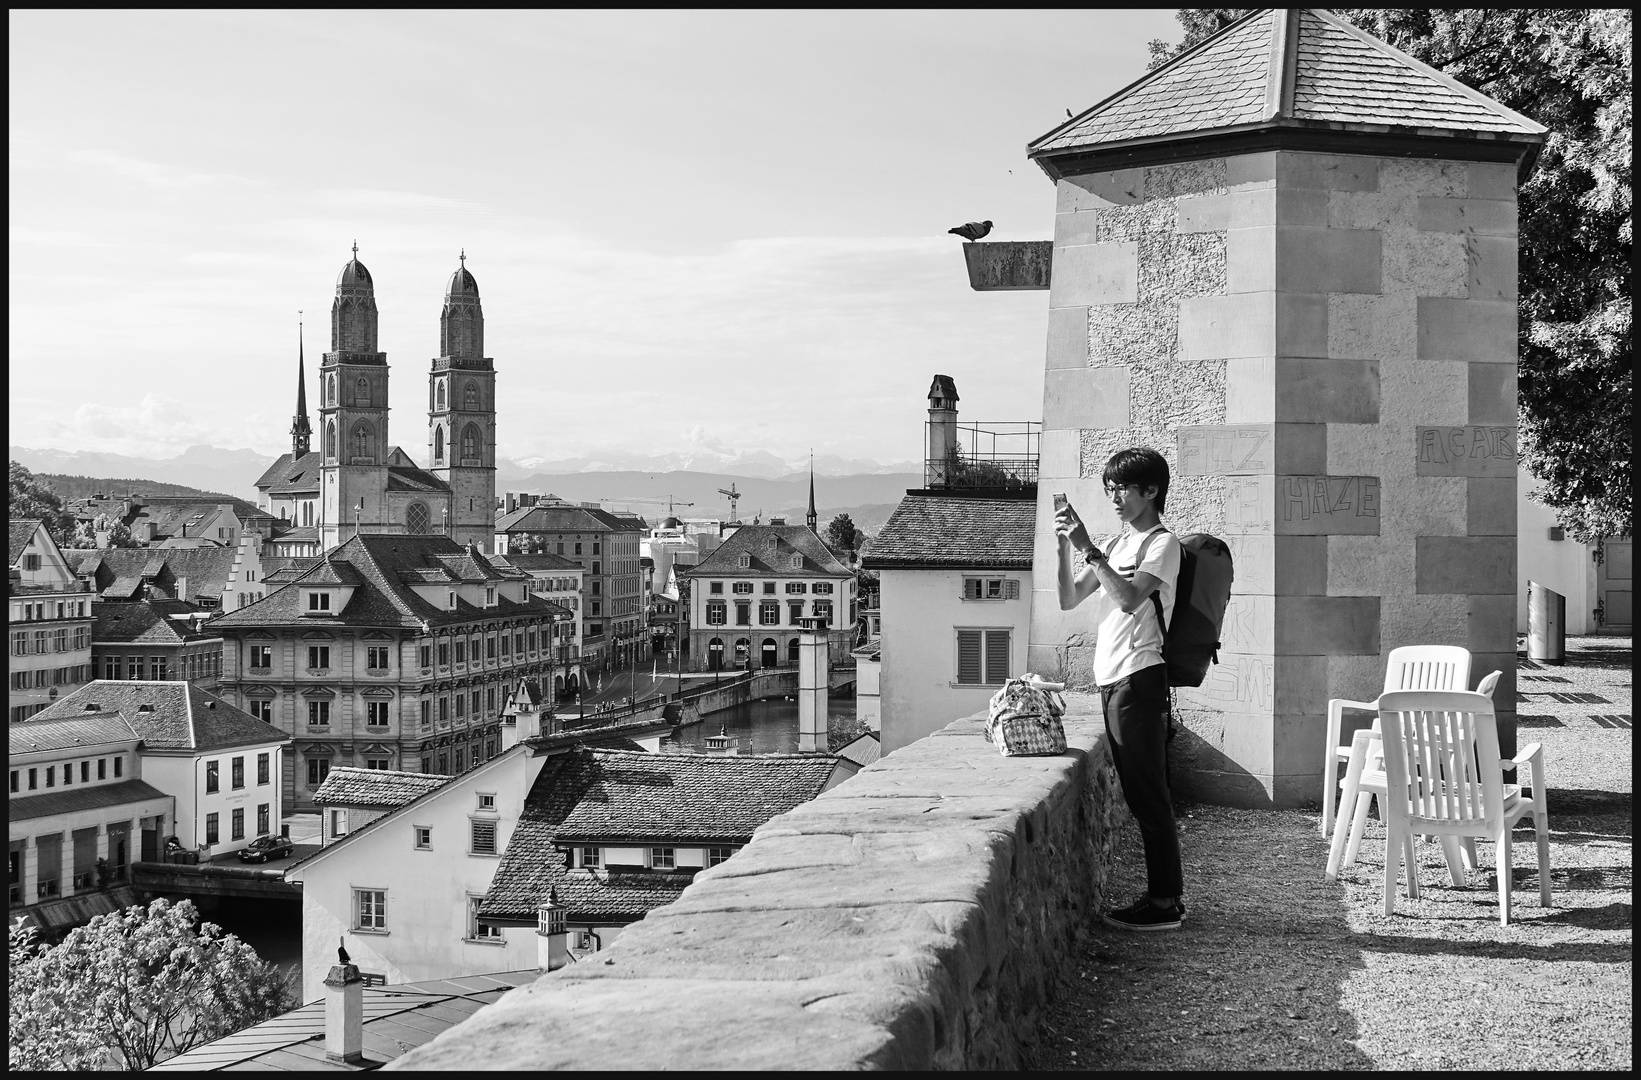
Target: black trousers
[1136,722]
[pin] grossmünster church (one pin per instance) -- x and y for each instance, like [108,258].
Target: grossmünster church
[355,480]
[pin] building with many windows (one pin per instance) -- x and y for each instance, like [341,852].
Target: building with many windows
[220,764]
[155,641]
[80,812]
[559,581]
[393,648]
[606,547]
[755,593]
[356,481]
[49,622]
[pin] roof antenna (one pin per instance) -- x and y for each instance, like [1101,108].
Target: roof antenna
[464,258]
[356,251]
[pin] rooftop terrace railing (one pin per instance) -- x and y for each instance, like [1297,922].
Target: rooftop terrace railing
[991,454]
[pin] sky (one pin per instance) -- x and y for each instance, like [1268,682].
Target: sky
[719,230]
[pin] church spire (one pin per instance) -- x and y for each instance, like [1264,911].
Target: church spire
[301,433]
[810,517]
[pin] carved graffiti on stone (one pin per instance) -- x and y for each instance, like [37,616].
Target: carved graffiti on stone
[1226,450]
[1236,681]
[1313,505]
[1472,450]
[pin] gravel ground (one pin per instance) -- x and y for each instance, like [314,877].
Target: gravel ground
[1277,968]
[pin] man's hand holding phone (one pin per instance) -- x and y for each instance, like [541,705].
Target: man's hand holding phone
[1070,526]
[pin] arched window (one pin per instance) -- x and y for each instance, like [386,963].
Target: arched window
[330,439]
[470,441]
[470,397]
[330,390]
[438,444]
[361,441]
[417,520]
[361,391]
[440,404]
[792,651]
[771,655]
[715,653]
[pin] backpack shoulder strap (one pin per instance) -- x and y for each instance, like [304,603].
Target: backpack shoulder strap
[1156,594]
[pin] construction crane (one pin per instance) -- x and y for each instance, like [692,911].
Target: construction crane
[668,499]
[734,497]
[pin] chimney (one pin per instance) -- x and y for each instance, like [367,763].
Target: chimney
[345,1015]
[552,934]
[942,431]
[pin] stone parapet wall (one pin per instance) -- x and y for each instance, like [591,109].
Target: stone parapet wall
[916,916]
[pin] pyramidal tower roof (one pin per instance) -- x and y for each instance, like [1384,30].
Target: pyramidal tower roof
[1298,70]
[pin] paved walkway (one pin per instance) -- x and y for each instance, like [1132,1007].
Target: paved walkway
[1277,968]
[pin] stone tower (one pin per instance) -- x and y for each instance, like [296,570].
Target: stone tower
[1286,259]
[301,431]
[461,430]
[353,410]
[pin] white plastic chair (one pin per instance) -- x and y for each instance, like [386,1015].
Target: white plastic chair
[1365,780]
[1410,667]
[1444,778]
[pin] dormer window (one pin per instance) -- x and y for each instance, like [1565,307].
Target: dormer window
[490,596]
[319,602]
[744,562]
[796,562]
[452,597]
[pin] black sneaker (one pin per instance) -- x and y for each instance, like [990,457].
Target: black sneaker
[1142,914]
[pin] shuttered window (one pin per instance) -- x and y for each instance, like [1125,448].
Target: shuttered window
[982,657]
[484,837]
[991,588]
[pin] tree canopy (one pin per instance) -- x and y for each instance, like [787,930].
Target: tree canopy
[842,534]
[29,497]
[133,988]
[1569,69]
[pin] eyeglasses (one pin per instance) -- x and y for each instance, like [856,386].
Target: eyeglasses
[1110,492]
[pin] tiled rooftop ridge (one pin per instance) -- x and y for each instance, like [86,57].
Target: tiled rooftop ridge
[915,916]
[1286,67]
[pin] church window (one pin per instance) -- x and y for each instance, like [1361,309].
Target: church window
[470,442]
[438,437]
[440,405]
[361,391]
[330,390]
[361,441]
[471,396]
[330,439]
[417,519]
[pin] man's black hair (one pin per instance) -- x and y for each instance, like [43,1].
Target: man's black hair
[1139,465]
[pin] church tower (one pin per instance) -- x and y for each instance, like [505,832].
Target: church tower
[301,432]
[461,428]
[352,412]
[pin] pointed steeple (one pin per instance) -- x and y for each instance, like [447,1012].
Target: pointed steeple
[811,517]
[301,433]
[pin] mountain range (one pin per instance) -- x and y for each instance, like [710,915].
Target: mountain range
[769,487]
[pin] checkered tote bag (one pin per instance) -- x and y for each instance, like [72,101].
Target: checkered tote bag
[1024,718]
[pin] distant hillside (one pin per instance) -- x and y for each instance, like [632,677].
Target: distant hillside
[867,499]
[199,468]
[80,487]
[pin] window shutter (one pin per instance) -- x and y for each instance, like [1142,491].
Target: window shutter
[997,656]
[971,588]
[968,656]
[484,837]
[1011,589]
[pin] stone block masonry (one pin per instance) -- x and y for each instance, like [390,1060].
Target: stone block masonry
[914,917]
[1322,347]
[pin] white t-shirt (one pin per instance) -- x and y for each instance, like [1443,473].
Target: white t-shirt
[1128,642]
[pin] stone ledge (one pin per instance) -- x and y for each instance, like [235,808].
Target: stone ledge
[914,917]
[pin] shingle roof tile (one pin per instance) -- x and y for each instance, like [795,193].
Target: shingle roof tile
[180,716]
[615,796]
[71,800]
[22,531]
[147,621]
[1339,75]
[347,786]
[934,530]
[771,548]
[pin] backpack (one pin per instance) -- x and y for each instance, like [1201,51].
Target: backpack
[1024,717]
[1203,590]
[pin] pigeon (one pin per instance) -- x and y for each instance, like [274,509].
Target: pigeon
[974,230]
[1068,114]
[341,950]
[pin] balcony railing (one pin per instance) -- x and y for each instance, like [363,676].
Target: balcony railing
[996,454]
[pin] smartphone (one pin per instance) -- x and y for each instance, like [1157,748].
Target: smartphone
[1060,502]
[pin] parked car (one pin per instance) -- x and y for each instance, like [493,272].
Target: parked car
[264,848]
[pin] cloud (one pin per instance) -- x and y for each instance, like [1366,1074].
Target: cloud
[157,426]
